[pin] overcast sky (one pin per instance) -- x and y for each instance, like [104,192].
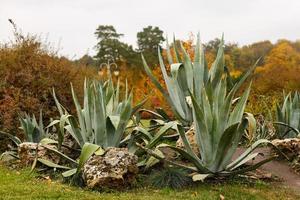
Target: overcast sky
[73,22]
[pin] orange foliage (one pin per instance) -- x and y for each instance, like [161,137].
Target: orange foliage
[28,72]
[280,72]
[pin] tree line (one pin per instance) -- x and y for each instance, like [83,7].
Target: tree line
[110,48]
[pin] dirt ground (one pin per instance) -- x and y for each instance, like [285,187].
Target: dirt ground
[278,168]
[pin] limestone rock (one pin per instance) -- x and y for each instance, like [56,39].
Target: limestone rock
[27,153]
[290,146]
[115,168]
[191,137]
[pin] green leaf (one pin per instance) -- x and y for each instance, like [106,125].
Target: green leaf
[47,141]
[87,151]
[69,173]
[248,152]
[185,141]
[153,161]
[49,163]
[194,160]
[16,140]
[163,130]
[59,153]
[79,114]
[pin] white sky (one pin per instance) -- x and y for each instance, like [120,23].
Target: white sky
[73,22]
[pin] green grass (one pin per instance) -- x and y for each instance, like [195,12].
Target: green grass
[21,185]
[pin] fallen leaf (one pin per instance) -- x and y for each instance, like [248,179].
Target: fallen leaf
[222,197]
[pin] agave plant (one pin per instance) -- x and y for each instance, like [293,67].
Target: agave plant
[103,118]
[288,116]
[219,123]
[34,131]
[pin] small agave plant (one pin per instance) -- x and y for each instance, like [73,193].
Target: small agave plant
[219,119]
[288,116]
[103,118]
[34,131]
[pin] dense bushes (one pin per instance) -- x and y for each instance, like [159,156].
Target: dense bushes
[28,72]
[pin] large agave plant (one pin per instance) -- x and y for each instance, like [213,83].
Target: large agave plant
[103,118]
[288,116]
[219,119]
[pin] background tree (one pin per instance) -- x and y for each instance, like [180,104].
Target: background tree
[109,47]
[231,51]
[86,60]
[249,54]
[148,40]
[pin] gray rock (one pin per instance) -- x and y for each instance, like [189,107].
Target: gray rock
[290,146]
[27,153]
[114,169]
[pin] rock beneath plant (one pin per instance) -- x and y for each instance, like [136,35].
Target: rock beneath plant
[191,137]
[114,169]
[27,153]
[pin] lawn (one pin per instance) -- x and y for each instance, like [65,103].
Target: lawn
[21,185]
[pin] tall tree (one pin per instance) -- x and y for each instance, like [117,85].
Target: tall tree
[148,40]
[213,46]
[109,46]
[231,51]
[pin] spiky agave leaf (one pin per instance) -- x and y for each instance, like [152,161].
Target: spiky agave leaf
[178,83]
[288,116]
[87,151]
[34,130]
[13,138]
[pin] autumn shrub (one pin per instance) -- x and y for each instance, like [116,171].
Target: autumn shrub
[29,69]
[281,72]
